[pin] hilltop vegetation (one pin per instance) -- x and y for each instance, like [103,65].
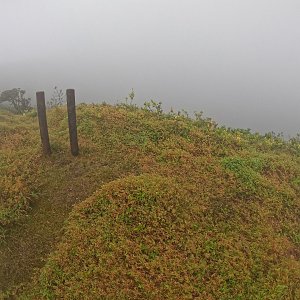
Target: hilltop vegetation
[178,208]
[17,164]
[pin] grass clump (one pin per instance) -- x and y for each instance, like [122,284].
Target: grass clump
[147,237]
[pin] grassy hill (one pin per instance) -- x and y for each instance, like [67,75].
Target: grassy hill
[157,206]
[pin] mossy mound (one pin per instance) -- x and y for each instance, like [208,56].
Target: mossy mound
[148,237]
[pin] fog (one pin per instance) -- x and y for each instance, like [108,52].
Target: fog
[238,61]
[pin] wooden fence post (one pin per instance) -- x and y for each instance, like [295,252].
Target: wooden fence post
[72,121]
[41,110]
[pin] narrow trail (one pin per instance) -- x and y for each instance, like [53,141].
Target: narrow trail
[29,242]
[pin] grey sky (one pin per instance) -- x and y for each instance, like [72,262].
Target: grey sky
[237,60]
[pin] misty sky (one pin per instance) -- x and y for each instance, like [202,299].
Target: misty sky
[236,60]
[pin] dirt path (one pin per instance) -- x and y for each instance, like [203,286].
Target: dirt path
[66,182]
[29,242]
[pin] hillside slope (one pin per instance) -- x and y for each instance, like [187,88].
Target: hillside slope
[183,209]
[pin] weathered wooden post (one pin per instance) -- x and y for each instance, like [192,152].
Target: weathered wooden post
[41,110]
[72,121]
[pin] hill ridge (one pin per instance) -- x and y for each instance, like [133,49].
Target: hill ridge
[237,230]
